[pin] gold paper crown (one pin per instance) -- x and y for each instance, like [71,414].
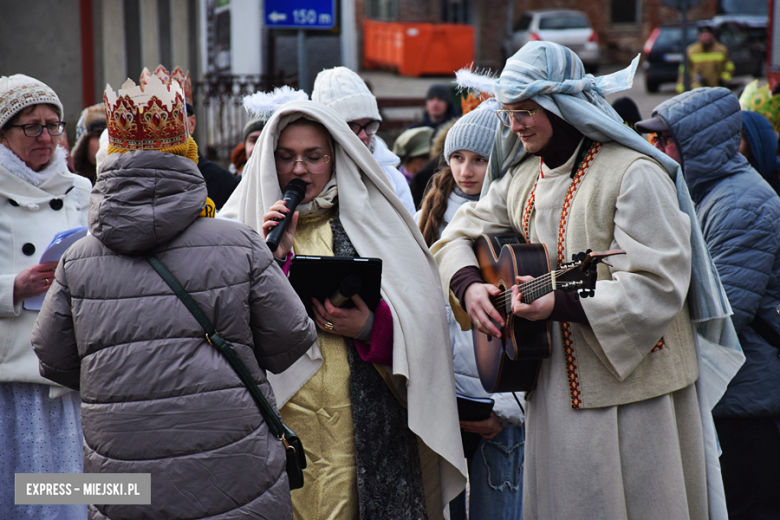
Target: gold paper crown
[166,77]
[150,116]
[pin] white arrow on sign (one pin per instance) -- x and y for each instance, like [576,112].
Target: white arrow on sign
[277,17]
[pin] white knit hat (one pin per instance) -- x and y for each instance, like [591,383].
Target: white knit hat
[344,91]
[20,91]
[475,132]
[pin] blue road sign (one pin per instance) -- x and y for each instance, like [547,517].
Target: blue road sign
[300,14]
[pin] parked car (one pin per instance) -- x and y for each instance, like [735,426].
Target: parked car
[663,51]
[752,14]
[569,28]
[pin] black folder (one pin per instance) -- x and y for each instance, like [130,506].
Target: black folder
[472,409]
[320,276]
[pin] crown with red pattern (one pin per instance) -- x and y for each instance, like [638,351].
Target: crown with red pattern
[166,77]
[149,116]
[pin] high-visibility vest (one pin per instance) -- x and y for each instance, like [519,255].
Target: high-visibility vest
[708,68]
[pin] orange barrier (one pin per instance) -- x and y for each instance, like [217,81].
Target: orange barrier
[416,49]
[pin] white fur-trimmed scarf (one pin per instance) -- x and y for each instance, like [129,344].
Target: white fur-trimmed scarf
[15,165]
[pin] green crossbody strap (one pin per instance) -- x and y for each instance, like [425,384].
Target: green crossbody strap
[216,341]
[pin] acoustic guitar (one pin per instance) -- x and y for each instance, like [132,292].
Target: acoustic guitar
[511,363]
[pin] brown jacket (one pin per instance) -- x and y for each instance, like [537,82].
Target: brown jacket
[157,398]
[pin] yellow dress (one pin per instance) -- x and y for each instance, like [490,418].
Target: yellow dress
[321,411]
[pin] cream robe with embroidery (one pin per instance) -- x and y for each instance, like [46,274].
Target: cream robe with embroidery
[639,460]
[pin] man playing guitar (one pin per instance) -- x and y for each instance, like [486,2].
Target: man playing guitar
[614,429]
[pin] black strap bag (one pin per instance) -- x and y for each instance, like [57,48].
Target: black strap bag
[296,457]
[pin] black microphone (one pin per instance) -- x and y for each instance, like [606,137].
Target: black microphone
[349,287]
[293,194]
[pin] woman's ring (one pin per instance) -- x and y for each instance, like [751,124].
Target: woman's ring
[477,323]
[46,281]
[328,325]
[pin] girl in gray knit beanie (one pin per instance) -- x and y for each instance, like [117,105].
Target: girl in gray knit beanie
[466,151]
[494,446]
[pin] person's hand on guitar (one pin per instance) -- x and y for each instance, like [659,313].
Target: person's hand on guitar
[539,309]
[481,309]
[488,428]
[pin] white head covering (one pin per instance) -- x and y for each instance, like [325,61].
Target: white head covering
[378,225]
[344,91]
[20,91]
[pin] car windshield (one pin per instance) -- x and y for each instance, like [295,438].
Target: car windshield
[564,21]
[671,36]
[754,7]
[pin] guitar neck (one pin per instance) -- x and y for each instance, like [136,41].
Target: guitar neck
[538,287]
[530,291]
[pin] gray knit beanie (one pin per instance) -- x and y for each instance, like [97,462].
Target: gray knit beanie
[344,91]
[475,132]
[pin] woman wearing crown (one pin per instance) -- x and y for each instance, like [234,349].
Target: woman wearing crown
[373,399]
[158,398]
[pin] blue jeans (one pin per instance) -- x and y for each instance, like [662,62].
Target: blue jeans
[496,478]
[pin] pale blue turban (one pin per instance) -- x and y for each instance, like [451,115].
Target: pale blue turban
[554,77]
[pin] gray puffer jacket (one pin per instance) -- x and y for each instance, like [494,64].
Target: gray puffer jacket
[739,215]
[157,398]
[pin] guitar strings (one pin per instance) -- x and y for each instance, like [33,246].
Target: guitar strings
[530,286]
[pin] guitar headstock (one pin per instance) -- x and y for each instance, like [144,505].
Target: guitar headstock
[581,272]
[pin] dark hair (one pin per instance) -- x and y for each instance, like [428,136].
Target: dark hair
[435,202]
[81,162]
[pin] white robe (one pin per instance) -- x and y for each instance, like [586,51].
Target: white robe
[643,460]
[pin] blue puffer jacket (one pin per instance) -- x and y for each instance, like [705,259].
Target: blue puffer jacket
[739,214]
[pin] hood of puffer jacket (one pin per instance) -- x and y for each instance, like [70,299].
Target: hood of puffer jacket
[706,124]
[143,199]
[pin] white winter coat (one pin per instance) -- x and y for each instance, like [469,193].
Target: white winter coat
[389,162]
[463,359]
[28,223]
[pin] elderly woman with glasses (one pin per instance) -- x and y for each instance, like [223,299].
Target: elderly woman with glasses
[40,429]
[373,399]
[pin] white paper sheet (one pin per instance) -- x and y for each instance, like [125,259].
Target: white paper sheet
[61,242]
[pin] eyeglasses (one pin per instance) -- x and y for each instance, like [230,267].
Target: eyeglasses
[521,116]
[370,128]
[663,139]
[35,129]
[313,163]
